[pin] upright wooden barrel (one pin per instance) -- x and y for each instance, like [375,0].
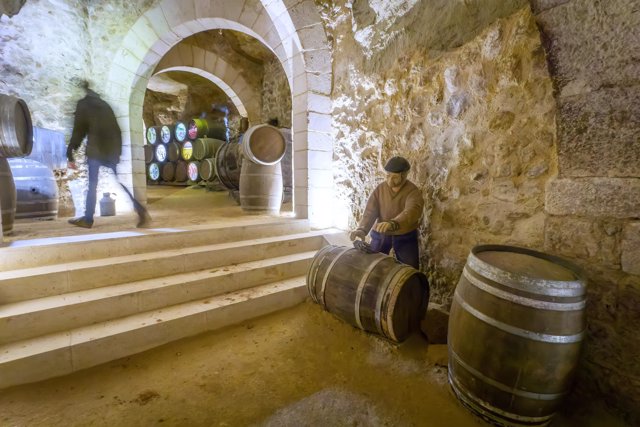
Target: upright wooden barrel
[206,147]
[16,130]
[207,169]
[36,189]
[8,197]
[180,131]
[264,144]
[373,292]
[168,171]
[260,188]
[229,165]
[203,128]
[515,330]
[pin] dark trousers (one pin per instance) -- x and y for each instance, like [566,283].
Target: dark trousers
[94,170]
[405,246]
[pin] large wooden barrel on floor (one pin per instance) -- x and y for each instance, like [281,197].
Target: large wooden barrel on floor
[373,292]
[264,144]
[515,331]
[206,147]
[228,165]
[36,189]
[16,130]
[203,128]
[260,188]
[8,197]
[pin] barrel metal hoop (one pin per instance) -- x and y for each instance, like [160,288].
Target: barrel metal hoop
[326,275]
[360,289]
[395,292]
[536,336]
[382,292]
[503,387]
[490,411]
[313,271]
[529,302]
[519,281]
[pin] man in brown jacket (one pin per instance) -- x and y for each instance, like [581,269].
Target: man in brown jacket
[393,214]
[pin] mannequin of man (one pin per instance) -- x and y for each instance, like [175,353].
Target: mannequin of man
[393,214]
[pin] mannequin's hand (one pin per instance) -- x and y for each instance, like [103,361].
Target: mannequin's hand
[357,234]
[383,227]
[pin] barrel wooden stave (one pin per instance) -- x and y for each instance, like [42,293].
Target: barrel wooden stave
[8,196]
[207,169]
[373,292]
[182,171]
[260,188]
[168,171]
[513,349]
[36,189]
[16,129]
[206,147]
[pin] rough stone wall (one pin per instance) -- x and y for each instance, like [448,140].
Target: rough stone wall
[594,206]
[476,123]
[276,94]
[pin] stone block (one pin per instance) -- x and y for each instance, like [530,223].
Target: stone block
[598,133]
[590,43]
[313,37]
[304,14]
[631,249]
[594,197]
[317,61]
[435,324]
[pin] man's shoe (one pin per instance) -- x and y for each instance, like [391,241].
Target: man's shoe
[144,220]
[81,222]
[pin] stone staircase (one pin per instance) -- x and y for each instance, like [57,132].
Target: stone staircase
[69,304]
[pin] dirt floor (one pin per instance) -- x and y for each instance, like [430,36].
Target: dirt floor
[297,367]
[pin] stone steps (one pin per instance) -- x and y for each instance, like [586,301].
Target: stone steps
[105,297]
[70,351]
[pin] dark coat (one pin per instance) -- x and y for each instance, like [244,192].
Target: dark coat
[95,119]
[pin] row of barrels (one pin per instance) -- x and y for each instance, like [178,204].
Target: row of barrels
[181,132]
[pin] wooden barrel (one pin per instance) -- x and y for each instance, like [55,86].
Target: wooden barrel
[203,128]
[193,170]
[206,147]
[36,189]
[153,134]
[373,292]
[180,132]
[182,171]
[207,169]
[173,151]
[168,171]
[16,130]
[515,330]
[228,165]
[260,188]
[264,144]
[148,153]
[153,172]
[160,151]
[166,133]
[186,153]
[8,197]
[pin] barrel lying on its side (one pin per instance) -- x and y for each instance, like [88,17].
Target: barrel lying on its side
[373,292]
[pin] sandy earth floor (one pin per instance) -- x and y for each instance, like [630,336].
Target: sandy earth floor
[297,367]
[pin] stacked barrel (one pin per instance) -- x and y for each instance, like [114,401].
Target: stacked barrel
[16,140]
[174,153]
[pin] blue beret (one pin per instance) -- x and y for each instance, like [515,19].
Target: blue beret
[397,164]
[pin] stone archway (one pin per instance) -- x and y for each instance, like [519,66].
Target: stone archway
[296,36]
[231,93]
